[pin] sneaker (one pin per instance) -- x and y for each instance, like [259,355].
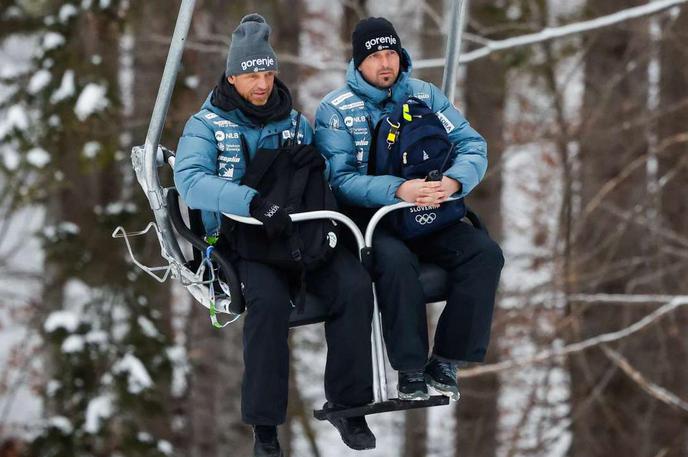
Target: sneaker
[412,386]
[354,431]
[441,376]
[265,442]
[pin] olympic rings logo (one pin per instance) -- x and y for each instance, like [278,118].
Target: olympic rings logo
[427,218]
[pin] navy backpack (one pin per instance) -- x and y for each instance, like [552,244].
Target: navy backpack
[411,142]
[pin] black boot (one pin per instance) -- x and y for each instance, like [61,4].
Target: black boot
[412,386]
[266,444]
[441,376]
[353,430]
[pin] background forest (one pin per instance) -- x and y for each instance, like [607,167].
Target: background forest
[586,192]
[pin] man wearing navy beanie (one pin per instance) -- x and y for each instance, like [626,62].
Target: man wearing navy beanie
[378,80]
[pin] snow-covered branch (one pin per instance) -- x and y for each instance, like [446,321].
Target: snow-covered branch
[679,300]
[552,33]
[658,392]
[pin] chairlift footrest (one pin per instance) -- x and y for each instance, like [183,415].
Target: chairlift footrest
[393,404]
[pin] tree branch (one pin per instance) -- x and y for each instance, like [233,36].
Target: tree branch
[542,356]
[658,392]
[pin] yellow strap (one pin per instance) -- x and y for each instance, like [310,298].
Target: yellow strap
[406,114]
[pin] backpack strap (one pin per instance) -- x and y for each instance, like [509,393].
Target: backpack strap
[244,149]
[261,163]
[372,151]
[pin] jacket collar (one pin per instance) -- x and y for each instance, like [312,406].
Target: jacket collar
[239,118]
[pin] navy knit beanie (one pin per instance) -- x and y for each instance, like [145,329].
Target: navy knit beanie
[371,35]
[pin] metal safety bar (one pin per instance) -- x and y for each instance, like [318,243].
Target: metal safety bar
[380,352]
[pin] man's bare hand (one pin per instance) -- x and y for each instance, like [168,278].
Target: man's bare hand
[427,193]
[421,192]
[450,186]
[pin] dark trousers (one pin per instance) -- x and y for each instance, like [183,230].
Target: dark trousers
[344,284]
[473,262]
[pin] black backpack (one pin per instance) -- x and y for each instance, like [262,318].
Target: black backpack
[272,173]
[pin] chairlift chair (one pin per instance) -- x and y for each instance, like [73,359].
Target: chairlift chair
[210,277]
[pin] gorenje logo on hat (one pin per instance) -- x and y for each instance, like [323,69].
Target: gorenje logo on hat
[263,62]
[388,40]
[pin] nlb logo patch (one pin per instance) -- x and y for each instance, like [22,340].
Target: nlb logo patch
[381,42]
[220,135]
[258,64]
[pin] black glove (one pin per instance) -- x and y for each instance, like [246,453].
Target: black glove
[275,220]
[306,154]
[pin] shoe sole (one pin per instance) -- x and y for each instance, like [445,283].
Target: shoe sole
[415,396]
[345,441]
[449,391]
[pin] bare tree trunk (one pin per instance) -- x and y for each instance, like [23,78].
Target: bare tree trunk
[286,40]
[354,11]
[485,94]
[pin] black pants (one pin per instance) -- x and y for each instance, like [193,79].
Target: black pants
[344,284]
[474,263]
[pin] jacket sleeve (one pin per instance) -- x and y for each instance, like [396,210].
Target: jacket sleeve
[195,174]
[350,186]
[470,151]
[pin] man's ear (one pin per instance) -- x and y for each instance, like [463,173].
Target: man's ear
[231,79]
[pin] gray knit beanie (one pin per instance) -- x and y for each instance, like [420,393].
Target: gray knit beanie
[250,49]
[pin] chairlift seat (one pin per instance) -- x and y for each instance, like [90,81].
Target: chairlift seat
[432,277]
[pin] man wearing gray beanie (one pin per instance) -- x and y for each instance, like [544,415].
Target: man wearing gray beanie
[246,122]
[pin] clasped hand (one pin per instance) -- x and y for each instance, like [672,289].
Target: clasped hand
[428,193]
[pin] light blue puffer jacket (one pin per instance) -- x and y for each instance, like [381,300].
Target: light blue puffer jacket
[343,130]
[210,163]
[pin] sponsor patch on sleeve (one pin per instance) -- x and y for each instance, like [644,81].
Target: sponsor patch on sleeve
[448,126]
[353,105]
[334,121]
[341,98]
